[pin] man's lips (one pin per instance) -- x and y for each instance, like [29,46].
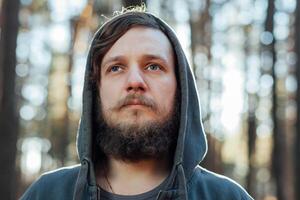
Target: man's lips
[134,102]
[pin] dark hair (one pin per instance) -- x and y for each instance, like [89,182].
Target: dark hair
[115,28]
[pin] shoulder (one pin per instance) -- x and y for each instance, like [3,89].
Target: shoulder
[65,173]
[61,176]
[209,185]
[53,183]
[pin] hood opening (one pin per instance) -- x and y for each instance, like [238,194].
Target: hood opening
[191,143]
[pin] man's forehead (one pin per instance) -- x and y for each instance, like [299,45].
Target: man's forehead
[143,42]
[149,37]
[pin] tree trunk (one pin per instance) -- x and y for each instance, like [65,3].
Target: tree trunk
[200,26]
[212,160]
[251,131]
[251,148]
[297,136]
[200,32]
[8,103]
[279,139]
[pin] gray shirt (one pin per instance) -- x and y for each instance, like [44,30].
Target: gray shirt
[150,195]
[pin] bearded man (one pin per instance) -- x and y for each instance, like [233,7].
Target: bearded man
[140,134]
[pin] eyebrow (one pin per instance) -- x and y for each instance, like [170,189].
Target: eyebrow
[155,57]
[145,56]
[113,59]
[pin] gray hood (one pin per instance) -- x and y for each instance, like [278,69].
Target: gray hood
[191,144]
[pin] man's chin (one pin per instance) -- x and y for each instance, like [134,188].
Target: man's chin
[131,119]
[135,123]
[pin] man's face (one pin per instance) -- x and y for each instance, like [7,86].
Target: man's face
[138,82]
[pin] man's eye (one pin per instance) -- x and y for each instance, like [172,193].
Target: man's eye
[114,68]
[153,67]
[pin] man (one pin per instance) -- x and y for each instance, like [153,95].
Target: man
[140,134]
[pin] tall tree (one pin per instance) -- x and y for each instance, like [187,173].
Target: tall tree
[200,24]
[297,136]
[201,41]
[8,103]
[279,140]
[251,129]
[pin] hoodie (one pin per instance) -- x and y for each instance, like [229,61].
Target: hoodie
[187,180]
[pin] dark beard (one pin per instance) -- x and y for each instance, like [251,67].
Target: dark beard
[155,140]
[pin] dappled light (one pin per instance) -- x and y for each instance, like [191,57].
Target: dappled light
[244,58]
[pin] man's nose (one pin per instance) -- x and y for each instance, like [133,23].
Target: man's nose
[136,81]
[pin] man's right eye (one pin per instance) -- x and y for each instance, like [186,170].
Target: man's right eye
[114,68]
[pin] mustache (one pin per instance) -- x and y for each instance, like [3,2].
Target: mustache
[145,101]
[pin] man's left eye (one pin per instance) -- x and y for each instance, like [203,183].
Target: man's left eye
[153,67]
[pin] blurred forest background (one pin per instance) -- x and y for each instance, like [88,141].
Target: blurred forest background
[244,56]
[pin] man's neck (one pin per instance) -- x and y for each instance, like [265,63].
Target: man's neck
[130,178]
